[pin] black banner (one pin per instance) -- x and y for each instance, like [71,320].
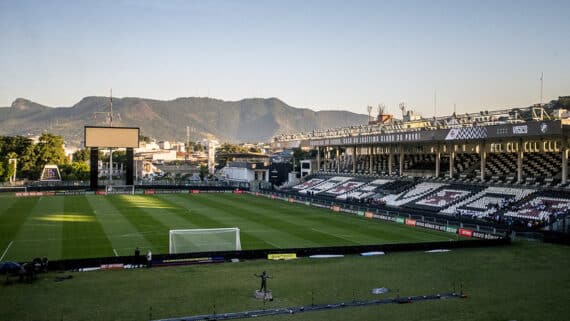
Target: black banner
[470,133]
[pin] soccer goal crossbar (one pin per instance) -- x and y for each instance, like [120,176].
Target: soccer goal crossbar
[204,240]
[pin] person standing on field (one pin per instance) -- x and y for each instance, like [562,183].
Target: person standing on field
[137,256]
[149,258]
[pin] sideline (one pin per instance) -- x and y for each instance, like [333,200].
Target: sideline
[6,250]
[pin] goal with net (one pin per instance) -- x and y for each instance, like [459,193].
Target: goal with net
[120,189]
[204,240]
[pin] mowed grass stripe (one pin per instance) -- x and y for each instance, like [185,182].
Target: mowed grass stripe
[12,216]
[203,214]
[255,233]
[274,218]
[142,211]
[83,235]
[318,231]
[366,230]
[41,233]
[316,221]
[342,225]
[6,203]
[124,237]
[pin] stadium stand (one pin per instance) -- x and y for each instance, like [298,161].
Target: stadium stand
[444,197]
[542,206]
[366,191]
[414,193]
[488,201]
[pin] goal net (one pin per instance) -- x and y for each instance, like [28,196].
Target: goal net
[204,240]
[120,189]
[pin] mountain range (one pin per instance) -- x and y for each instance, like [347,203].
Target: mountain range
[246,120]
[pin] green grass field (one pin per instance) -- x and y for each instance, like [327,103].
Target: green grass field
[70,227]
[524,281]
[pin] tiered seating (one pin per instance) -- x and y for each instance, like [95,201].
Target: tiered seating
[344,188]
[541,165]
[464,163]
[542,206]
[487,201]
[412,194]
[419,162]
[325,186]
[308,184]
[501,164]
[397,186]
[444,197]
[367,191]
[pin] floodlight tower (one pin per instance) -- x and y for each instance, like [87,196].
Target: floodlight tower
[403,108]
[381,108]
[369,108]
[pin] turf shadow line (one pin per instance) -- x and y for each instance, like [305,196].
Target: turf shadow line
[91,231]
[14,217]
[141,220]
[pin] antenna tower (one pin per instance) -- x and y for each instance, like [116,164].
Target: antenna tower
[381,108]
[403,108]
[541,85]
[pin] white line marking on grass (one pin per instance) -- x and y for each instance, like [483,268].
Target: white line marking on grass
[6,250]
[115,252]
[336,235]
[272,244]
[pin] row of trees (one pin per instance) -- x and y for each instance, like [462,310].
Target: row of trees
[31,158]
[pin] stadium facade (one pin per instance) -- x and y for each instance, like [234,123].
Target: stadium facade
[521,145]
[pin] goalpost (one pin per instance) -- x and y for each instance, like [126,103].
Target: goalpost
[204,240]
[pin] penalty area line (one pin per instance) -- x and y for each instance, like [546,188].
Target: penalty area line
[115,251]
[336,235]
[6,250]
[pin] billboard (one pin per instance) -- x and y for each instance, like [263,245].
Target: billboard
[115,137]
[467,133]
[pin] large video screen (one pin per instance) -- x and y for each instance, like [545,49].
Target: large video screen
[115,137]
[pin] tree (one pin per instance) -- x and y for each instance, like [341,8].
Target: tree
[203,171]
[143,138]
[49,150]
[82,155]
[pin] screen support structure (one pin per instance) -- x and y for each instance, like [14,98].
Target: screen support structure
[111,138]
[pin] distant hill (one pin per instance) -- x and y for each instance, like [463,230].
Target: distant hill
[247,120]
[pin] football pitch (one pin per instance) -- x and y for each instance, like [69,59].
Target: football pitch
[69,227]
[524,281]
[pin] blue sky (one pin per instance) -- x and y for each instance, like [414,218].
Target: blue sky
[312,54]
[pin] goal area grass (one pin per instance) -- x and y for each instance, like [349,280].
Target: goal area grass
[86,226]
